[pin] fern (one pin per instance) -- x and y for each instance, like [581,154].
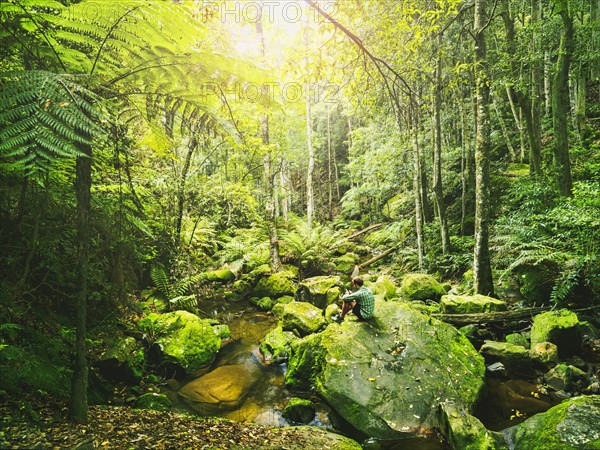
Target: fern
[160,278]
[45,117]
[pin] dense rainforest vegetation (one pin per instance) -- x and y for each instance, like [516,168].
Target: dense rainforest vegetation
[158,156]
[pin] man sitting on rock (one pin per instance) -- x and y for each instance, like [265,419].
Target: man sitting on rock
[361,302]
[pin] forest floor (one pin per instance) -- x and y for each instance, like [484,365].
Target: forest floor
[118,427]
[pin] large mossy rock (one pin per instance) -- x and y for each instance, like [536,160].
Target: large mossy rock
[276,285]
[420,286]
[122,361]
[465,432]
[276,344]
[299,410]
[571,425]
[219,276]
[471,304]
[320,291]
[384,288]
[386,376]
[223,389]
[515,358]
[302,318]
[184,340]
[559,327]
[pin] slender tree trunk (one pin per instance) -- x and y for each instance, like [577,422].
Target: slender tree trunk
[437,153]
[329,167]
[193,144]
[518,116]
[482,270]
[275,260]
[537,81]
[417,187]
[83,184]
[284,186]
[547,84]
[561,103]
[310,195]
[511,149]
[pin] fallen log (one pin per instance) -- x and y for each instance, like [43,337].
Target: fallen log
[499,316]
[377,258]
[365,230]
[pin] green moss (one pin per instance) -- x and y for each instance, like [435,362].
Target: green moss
[517,339]
[184,339]
[320,291]
[571,425]
[152,400]
[420,286]
[305,364]
[276,285]
[299,410]
[219,276]
[470,304]
[559,327]
[276,344]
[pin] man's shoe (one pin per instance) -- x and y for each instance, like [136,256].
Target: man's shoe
[337,318]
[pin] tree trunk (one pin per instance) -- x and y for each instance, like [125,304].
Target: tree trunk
[482,270]
[417,186]
[310,196]
[561,103]
[78,409]
[329,167]
[437,153]
[537,81]
[274,259]
[193,144]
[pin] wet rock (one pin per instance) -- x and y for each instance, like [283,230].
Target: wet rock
[299,410]
[420,286]
[497,370]
[465,432]
[222,389]
[517,339]
[470,304]
[264,303]
[544,354]
[320,291]
[153,400]
[182,339]
[563,377]
[571,425]
[302,318]
[276,345]
[386,376]
[559,327]
[514,357]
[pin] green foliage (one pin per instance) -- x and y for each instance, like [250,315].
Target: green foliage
[310,248]
[175,292]
[539,236]
[45,116]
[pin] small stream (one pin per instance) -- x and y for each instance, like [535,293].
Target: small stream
[268,397]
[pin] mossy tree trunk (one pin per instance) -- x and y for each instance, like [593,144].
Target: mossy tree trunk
[482,270]
[561,102]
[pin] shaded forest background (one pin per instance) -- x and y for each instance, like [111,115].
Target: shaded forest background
[145,143]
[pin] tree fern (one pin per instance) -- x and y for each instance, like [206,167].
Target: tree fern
[44,117]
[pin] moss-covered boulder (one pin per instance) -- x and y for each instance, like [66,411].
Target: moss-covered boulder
[320,291]
[420,286]
[384,287]
[544,354]
[276,344]
[276,285]
[517,339]
[571,425]
[309,437]
[515,358]
[535,282]
[182,338]
[219,276]
[122,361]
[302,318]
[560,327]
[222,389]
[153,400]
[465,432]
[471,304]
[387,376]
[299,410]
